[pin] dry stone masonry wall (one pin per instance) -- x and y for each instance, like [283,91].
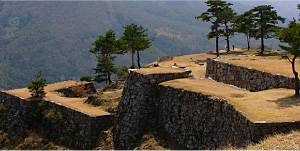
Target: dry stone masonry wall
[193,119]
[247,78]
[200,122]
[58,123]
[137,110]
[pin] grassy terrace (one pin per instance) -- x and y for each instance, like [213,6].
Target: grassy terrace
[74,103]
[275,105]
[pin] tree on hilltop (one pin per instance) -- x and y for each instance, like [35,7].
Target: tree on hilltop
[105,47]
[227,20]
[214,15]
[244,23]
[37,86]
[265,19]
[291,36]
[136,40]
[144,43]
[298,7]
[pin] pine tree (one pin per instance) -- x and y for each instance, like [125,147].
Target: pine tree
[136,40]
[244,23]
[227,20]
[214,15]
[265,19]
[105,47]
[37,86]
[101,70]
[291,35]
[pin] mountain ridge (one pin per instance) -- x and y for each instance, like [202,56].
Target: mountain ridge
[55,37]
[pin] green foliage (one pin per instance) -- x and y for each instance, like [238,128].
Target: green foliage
[43,104]
[59,116]
[244,23]
[265,19]
[298,7]
[291,36]
[122,72]
[228,23]
[105,47]
[101,70]
[133,67]
[136,40]
[37,86]
[217,13]
[86,78]
[54,116]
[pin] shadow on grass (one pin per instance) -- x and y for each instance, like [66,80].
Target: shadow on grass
[228,53]
[244,51]
[287,102]
[267,54]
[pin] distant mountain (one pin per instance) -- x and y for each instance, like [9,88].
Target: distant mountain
[55,37]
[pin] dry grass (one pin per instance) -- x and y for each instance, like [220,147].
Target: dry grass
[105,140]
[282,66]
[290,141]
[74,103]
[276,105]
[30,142]
[159,70]
[157,139]
[106,99]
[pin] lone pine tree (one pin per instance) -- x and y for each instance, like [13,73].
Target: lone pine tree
[291,36]
[265,19]
[105,47]
[214,14]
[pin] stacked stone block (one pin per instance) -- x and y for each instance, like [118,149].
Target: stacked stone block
[246,78]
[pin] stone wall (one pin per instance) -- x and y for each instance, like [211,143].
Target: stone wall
[247,78]
[137,109]
[193,119]
[200,122]
[56,122]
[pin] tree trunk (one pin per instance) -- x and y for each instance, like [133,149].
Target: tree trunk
[138,58]
[296,76]
[217,38]
[228,46]
[107,69]
[262,34]
[227,39]
[248,41]
[262,42]
[132,59]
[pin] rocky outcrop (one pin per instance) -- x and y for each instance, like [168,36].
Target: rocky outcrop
[247,78]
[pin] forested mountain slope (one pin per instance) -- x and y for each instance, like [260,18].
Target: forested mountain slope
[55,37]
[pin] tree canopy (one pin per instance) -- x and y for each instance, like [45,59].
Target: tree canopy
[265,19]
[214,14]
[105,46]
[244,23]
[135,37]
[227,20]
[291,36]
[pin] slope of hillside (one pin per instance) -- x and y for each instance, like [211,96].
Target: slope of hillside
[55,37]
